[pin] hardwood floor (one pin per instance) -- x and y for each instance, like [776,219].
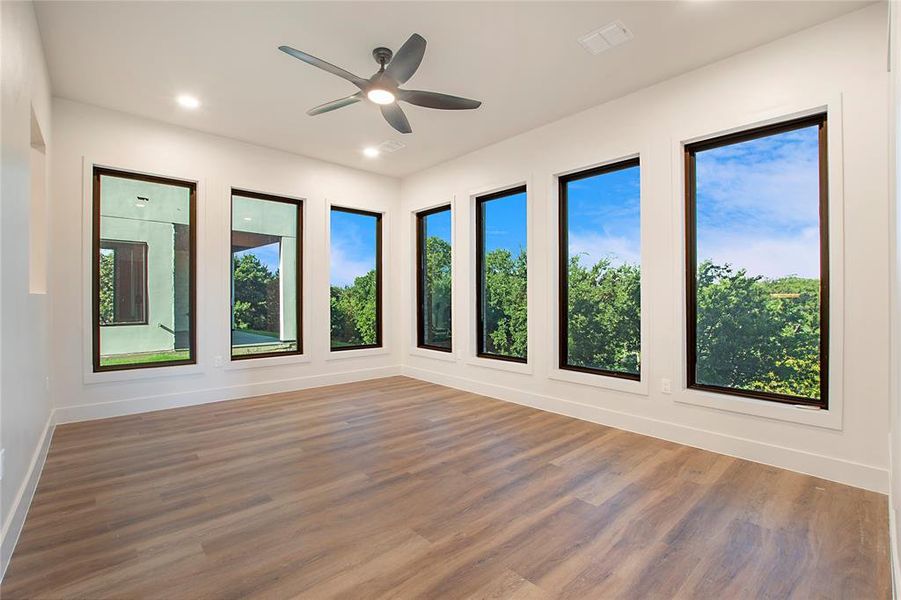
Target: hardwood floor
[404,489]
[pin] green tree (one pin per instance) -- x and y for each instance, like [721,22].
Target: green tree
[353,312]
[438,290]
[107,275]
[506,318]
[604,316]
[252,306]
[757,334]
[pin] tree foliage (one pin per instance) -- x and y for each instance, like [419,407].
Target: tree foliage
[256,304]
[604,316]
[758,334]
[107,276]
[437,288]
[353,312]
[506,309]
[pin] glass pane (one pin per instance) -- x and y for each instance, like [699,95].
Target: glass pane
[145,272]
[354,294]
[504,312]
[758,269]
[264,259]
[436,279]
[122,282]
[603,216]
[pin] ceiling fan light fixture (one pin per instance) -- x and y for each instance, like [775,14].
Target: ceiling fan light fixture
[380,96]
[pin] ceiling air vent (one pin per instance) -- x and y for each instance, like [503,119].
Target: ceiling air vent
[390,146]
[608,36]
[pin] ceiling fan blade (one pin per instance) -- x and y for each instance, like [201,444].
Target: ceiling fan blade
[318,62]
[335,104]
[436,100]
[407,59]
[396,117]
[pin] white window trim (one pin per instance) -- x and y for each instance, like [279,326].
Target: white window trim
[384,268]
[832,418]
[598,380]
[87,274]
[231,364]
[414,348]
[472,357]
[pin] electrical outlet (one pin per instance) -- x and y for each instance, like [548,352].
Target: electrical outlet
[47,383]
[666,386]
[2,456]
[217,361]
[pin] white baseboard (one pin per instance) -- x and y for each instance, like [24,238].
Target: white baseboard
[827,467]
[12,528]
[132,406]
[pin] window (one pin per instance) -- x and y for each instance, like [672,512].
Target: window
[356,279]
[501,231]
[143,271]
[266,245]
[757,263]
[123,283]
[433,278]
[600,270]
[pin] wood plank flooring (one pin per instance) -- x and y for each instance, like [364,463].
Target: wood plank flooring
[397,488]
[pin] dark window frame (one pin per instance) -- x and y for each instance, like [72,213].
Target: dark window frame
[563,267]
[690,150]
[298,204]
[99,172]
[378,278]
[145,308]
[480,268]
[420,273]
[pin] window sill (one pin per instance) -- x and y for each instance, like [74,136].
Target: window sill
[90,377]
[827,419]
[358,353]
[266,361]
[600,380]
[500,365]
[433,354]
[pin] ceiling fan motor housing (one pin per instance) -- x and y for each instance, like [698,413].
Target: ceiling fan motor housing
[382,55]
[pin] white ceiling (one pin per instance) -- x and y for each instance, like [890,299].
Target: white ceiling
[521,59]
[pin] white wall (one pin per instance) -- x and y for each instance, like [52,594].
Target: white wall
[86,135]
[840,65]
[24,402]
[895,280]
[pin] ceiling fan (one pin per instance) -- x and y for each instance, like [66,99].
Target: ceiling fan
[383,88]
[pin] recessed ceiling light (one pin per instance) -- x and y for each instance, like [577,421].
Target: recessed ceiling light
[188,101]
[370,152]
[248,218]
[380,96]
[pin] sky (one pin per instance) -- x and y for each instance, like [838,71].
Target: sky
[758,205]
[439,225]
[268,255]
[352,246]
[505,223]
[604,217]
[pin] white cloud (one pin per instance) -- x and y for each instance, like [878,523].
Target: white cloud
[595,246]
[344,268]
[770,256]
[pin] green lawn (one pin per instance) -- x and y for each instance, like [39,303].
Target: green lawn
[140,358]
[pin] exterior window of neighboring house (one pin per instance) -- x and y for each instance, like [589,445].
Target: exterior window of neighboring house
[143,271]
[433,279]
[758,263]
[123,283]
[356,279]
[600,270]
[266,245]
[501,275]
